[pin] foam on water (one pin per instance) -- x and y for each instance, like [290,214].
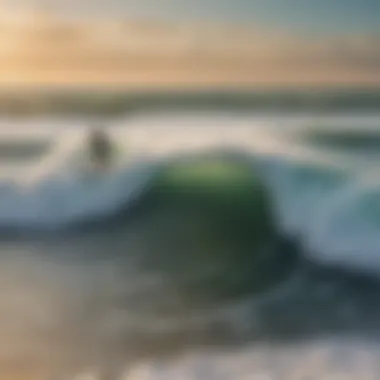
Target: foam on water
[348,225]
[323,360]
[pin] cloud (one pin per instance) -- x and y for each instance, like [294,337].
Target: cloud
[44,48]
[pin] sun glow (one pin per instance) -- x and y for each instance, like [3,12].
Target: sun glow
[42,48]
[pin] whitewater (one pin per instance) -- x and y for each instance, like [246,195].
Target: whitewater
[323,176]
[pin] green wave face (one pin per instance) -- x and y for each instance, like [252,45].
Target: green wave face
[209,227]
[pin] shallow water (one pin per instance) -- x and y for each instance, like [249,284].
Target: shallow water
[107,300]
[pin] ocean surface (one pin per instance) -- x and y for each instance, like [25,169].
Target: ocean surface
[78,300]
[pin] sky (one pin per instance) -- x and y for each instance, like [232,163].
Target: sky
[190,42]
[312,15]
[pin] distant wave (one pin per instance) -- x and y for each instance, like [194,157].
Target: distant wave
[87,102]
[16,150]
[352,140]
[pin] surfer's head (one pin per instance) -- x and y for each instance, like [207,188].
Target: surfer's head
[98,134]
[100,147]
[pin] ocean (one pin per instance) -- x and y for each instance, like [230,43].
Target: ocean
[92,281]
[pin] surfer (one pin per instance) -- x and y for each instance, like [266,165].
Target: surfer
[100,149]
